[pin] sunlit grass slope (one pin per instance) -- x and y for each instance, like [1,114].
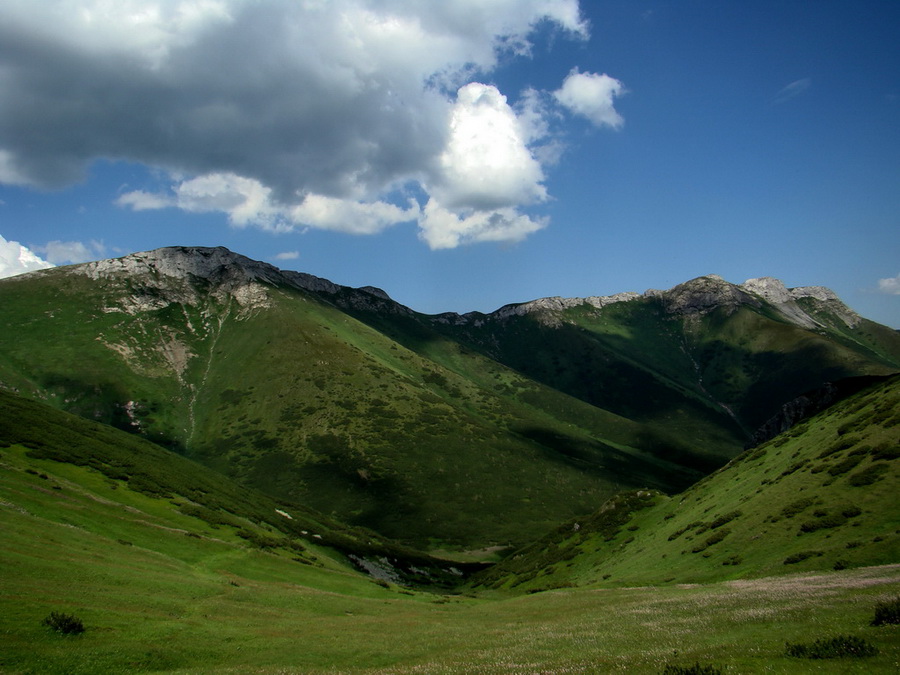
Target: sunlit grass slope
[301,400]
[159,591]
[822,496]
[191,496]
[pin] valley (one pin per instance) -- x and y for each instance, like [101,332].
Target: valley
[220,466]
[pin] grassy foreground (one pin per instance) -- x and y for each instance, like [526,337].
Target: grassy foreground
[159,591]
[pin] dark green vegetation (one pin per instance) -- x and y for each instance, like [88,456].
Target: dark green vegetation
[447,433]
[67,624]
[887,612]
[696,669]
[173,565]
[838,647]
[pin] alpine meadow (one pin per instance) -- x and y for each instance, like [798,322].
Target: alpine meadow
[212,465]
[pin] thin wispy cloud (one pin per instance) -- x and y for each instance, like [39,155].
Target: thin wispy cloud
[792,90]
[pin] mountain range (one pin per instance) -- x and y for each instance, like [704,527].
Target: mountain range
[211,465]
[452,433]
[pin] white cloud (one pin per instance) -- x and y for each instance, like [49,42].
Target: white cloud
[287,255]
[440,228]
[145,201]
[486,163]
[891,285]
[248,202]
[18,259]
[592,96]
[285,114]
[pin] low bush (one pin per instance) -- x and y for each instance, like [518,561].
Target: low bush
[868,475]
[887,612]
[796,507]
[727,518]
[800,557]
[843,467]
[832,648]
[696,669]
[885,451]
[67,624]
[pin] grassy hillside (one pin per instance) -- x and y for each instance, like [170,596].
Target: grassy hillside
[821,496]
[162,591]
[444,435]
[184,497]
[710,379]
[297,398]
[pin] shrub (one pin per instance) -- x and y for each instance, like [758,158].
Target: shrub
[696,669]
[67,624]
[826,520]
[832,648]
[887,612]
[800,557]
[868,475]
[843,467]
[714,539]
[727,518]
[796,507]
[885,451]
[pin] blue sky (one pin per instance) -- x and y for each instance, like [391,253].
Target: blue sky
[463,155]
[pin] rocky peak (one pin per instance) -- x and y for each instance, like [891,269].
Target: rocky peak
[785,300]
[216,265]
[704,294]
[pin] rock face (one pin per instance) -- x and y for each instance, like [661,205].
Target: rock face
[786,301]
[705,294]
[171,275]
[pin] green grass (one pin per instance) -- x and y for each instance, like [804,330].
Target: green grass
[435,446]
[173,603]
[773,510]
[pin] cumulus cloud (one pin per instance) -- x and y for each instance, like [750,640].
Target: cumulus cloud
[593,96]
[283,114]
[287,255]
[440,228]
[891,285]
[18,259]
[486,163]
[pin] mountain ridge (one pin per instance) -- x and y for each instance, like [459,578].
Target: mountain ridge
[699,295]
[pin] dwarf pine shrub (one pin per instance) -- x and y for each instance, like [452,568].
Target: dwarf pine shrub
[67,624]
[832,648]
[696,669]
[887,612]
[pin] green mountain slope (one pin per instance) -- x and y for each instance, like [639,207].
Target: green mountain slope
[444,432]
[161,590]
[821,496]
[275,387]
[707,360]
[183,497]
